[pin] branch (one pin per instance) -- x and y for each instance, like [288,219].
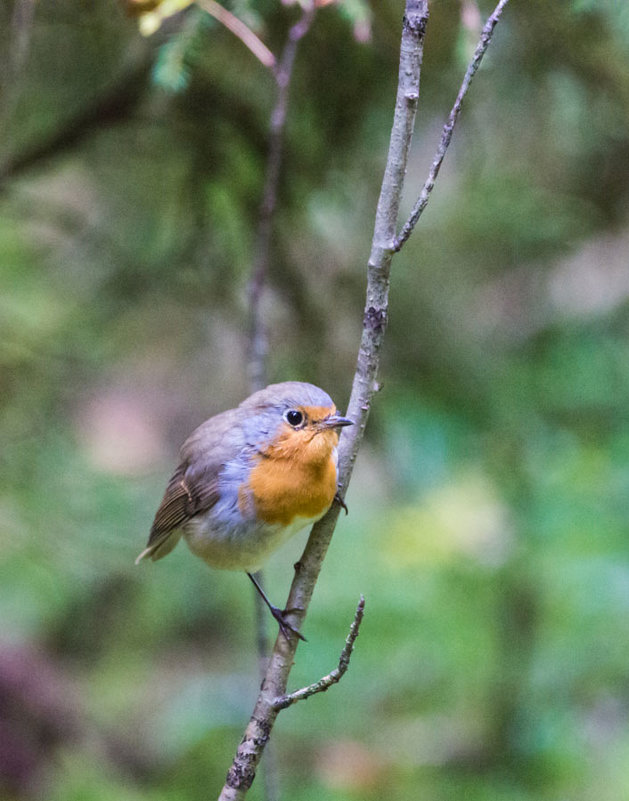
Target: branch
[15,58]
[335,675]
[239,29]
[448,128]
[114,103]
[283,75]
[258,731]
[258,342]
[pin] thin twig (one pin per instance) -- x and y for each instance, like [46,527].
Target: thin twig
[261,615]
[446,134]
[21,34]
[283,73]
[270,772]
[239,29]
[258,341]
[335,675]
[14,61]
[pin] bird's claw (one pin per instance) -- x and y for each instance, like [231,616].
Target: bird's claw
[341,503]
[285,627]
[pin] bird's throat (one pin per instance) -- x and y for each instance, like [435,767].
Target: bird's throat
[296,477]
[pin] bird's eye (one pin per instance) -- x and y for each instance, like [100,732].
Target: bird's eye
[294,417]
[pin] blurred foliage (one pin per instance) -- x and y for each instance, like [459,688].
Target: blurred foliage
[488,513]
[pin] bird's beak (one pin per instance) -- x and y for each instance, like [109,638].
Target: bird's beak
[336,421]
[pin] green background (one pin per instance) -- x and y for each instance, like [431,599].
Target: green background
[488,524]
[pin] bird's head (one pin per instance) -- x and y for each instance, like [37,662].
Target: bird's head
[295,420]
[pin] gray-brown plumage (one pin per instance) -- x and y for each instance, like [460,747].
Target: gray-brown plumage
[193,488]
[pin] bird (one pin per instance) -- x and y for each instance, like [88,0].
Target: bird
[250,478]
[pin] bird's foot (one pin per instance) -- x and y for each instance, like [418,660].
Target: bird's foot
[341,503]
[285,627]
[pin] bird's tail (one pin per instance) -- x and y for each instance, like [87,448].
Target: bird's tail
[160,547]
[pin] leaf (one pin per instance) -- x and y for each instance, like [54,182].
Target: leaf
[152,13]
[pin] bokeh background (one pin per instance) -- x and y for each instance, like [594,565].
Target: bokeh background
[489,511]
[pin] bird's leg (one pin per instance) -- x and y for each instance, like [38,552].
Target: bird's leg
[285,626]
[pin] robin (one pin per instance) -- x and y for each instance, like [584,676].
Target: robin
[251,477]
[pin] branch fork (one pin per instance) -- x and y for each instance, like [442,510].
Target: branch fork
[335,675]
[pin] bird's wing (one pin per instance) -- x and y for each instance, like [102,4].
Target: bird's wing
[193,487]
[182,500]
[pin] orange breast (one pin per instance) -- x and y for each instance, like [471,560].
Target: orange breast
[295,478]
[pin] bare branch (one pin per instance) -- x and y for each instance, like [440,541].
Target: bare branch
[14,61]
[257,345]
[448,128]
[239,29]
[21,34]
[115,102]
[283,75]
[335,675]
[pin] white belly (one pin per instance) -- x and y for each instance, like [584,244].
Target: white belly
[243,547]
